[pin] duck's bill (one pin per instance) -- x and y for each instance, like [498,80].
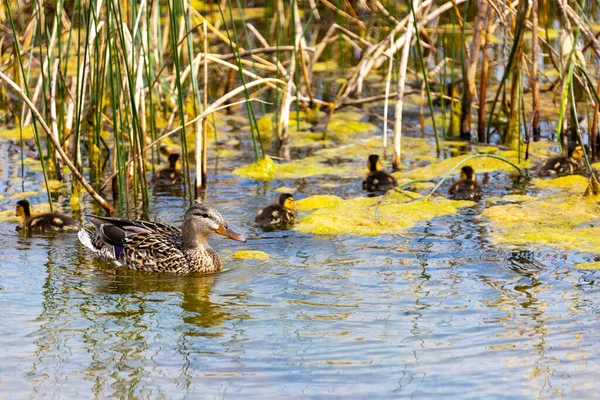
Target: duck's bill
[230,233]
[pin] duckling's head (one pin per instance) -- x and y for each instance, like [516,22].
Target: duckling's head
[286,200]
[23,209]
[467,173]
[174,161]
[373,163]
[201,220]
[575,151]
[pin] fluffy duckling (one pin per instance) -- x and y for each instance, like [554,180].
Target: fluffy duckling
[378,180]
[49,222]
[156,247]
[467,187]
[277,215]
[171,175]
[562,165]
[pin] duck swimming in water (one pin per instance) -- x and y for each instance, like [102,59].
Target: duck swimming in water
[156,247]
[466,188]
[277,215]
[564,165]
[48,222]
[378,180]
[171,175]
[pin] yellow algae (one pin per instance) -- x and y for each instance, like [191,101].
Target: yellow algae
[250,255]
[329,65]
[566,222]
[423,185]
[348,116]
[22,195]
[318,201]
[341,127]
[397,213]
[15,133]
[227,153]
[262,170]
[480,164]
[510,198]
[594,266]
[266,126]
[284,189]
[9,216]
[571,184]
[54,185]
[487,149]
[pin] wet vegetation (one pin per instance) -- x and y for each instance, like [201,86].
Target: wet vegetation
[137,108]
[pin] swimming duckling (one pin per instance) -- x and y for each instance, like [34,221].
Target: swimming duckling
[378,180]
[156,247]
[48,222]
[277,215]
[562,165]
[467,187]
[171,175]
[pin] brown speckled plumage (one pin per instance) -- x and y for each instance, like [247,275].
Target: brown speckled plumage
[49,222]
[377,180]
[466,188]
[279,215]
[564,165]
[157,247]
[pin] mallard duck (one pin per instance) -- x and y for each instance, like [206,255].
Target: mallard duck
[171,175]
[156,247]
[467,187]
[48,222]
[378,180]
[277,215]
[562,165]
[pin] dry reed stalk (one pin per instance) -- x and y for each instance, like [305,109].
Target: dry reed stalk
[53,121]
[535,80]
[485,62]
[401,84]
[471,70]
[103,203]
[388,78]
[266,45]
[344,14]
[594,128]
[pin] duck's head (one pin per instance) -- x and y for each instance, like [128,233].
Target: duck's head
[575,151]
[287,201]
[373,163]
[467,173]
[202,220]
[175,161]
[23,209]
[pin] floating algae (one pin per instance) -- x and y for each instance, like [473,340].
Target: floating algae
[266,169]
[250,255]
[573,184]
[397,213]
[565,222]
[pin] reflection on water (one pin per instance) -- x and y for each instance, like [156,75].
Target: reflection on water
[436,312]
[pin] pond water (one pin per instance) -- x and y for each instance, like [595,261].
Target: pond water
[435,311]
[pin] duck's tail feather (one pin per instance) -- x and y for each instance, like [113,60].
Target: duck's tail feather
[94,242]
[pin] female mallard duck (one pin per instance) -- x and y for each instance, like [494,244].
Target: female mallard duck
[378,180]
[562,165]
[467,187]
[49,222]
[156,247]
[277,215]
[171,175]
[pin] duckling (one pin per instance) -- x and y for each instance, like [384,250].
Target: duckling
[157,247]
[48,222]
[277,215]
[562,165]
[378,180]
[467,187]
[171,175]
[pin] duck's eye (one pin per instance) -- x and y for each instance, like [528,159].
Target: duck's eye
[203,215]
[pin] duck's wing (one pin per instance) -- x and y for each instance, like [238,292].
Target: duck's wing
[151,252]
[115,231]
